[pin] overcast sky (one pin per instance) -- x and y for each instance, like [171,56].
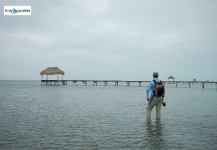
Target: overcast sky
[110,39]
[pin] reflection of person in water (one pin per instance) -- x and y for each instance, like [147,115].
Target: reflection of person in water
[154,136]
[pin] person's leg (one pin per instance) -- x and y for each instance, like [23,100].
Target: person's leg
[148,112]
[149,108]
[158,107]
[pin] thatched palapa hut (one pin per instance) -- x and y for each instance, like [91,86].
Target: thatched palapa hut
[171,77]
[52,71]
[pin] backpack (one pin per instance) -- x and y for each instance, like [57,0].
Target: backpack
[159,88]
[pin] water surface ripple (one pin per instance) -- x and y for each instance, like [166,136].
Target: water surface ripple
[97,117]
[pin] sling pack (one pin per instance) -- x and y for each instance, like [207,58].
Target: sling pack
[159,88]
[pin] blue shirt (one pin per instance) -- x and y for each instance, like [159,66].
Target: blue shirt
[151,87]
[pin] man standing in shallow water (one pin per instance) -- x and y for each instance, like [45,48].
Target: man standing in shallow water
[154,100]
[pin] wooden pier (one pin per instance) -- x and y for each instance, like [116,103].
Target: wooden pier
[120,82]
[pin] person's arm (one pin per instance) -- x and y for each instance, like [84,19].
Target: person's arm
[164,92]
[163,96]
[148,91]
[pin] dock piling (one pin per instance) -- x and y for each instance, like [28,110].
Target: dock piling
[140,83]
[116,82]
[74,82]
[84,82]
[94,83]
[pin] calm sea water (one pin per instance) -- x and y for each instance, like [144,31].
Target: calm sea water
[104,117]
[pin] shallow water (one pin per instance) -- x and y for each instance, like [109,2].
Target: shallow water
[104,117]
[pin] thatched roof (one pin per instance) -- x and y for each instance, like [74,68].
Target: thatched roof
[171,77]
[52,71]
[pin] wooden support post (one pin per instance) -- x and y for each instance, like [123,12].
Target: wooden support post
[203,84]
[189,84]
[116,83]
[140,83]
[64,82]
[94,83]
[84,82]
[105,83]
[74,82]
[176,84]
[128,83]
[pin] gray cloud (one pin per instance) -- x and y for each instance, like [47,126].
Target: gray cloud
[111,39]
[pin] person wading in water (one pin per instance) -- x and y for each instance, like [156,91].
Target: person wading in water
[156,96]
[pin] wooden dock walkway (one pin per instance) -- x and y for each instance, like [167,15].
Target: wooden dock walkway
[120,82]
